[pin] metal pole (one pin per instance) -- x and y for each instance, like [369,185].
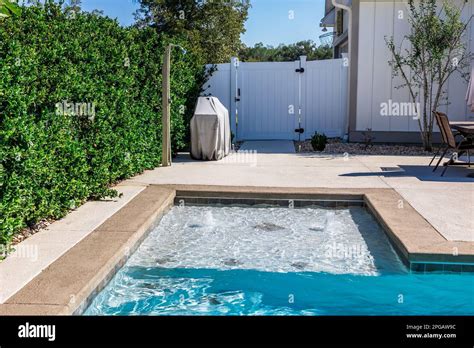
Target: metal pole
[166,133]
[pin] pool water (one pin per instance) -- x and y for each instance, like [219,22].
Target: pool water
[231,260]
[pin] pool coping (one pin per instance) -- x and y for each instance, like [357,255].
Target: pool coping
[68,284]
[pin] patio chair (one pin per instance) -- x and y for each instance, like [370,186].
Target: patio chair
[449,142]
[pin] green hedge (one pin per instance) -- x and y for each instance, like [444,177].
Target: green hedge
[51,162]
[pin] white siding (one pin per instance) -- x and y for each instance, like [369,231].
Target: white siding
[375,83]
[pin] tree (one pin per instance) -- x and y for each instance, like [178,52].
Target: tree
[285,53]
[437,50]
[8,8]
[213,27]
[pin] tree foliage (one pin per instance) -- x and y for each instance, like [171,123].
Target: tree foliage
[212,27]
[437,49]
[285,53]
[8,8]
[50,161]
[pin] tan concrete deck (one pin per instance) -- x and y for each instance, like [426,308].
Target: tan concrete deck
[67,283]
[446,203]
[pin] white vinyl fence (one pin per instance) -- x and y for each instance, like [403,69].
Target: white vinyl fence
[278,100]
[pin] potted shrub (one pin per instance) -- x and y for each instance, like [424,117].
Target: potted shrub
[319,141]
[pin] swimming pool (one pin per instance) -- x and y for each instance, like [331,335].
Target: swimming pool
[267,260]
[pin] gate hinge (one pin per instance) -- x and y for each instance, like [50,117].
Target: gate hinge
[300,70]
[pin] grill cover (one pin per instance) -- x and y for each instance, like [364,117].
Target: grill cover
[210,130]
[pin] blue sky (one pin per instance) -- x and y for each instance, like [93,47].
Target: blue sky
[269,20]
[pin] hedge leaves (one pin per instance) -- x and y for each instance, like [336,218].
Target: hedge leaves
[80,109]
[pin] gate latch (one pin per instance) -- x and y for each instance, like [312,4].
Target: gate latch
[299,130]
[237,99]
[300,70]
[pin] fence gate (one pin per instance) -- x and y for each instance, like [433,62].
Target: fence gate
[283,100]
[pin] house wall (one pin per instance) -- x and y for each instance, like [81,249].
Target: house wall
[375,85]
[328,6]
[345,21]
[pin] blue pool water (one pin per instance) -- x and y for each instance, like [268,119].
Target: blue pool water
[160,291]
[258,261]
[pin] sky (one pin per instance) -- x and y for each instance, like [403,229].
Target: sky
[270,21]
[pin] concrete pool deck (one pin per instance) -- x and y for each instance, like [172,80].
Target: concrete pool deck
[445,205]
[69,283]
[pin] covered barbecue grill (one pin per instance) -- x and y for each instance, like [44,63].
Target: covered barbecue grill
[210,130]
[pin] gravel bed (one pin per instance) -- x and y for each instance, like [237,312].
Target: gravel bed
[336,146]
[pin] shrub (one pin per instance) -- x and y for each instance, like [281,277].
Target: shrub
[319,141]
[50,161]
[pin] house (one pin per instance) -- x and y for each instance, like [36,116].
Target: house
[360,31]
[337,18]
[354,95]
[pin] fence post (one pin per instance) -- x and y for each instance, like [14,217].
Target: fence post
[234,118]
[301,97]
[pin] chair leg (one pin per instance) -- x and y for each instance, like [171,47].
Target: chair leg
[441,158]
[446,165]
[436,154]
[453,158]
[468,158]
